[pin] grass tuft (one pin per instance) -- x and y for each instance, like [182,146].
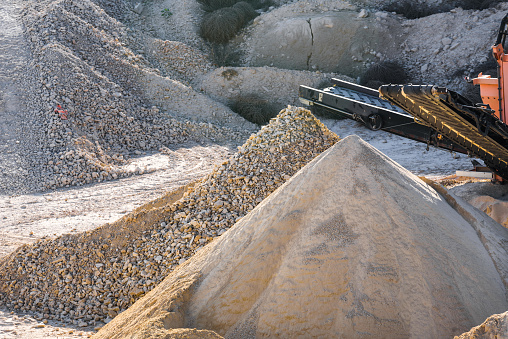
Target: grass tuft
[478,4]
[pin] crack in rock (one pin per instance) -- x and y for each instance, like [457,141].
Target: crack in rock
[311,44]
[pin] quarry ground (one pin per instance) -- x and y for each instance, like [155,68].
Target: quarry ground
[26,218]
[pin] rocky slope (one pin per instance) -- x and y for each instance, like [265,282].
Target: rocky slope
[495,326]
[132,81]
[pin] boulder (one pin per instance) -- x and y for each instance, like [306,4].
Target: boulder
[343,41]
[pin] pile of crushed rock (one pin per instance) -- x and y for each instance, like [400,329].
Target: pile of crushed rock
[353,245]
[495,326]
[116,104]
[90,277]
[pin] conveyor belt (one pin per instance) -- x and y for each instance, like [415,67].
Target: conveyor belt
[475,128]
[363,104]
[365,98]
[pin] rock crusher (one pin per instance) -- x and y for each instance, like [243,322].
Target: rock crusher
[432,114]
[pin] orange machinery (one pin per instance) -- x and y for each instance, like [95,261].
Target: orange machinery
[492,89]
[481,129]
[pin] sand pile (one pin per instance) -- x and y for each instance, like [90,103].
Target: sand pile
[496,209]
[117,105]
[487,197]
[353,245]
[87,277]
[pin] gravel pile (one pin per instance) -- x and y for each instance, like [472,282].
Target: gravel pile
[90,277]
[177,60]
[116,104]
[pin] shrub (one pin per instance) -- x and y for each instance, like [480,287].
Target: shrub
[224,55]
[247,10]
[166,13]
[260,4]
[222,25]
[254,108]
[229,74]
[477,4]
[213,5]
[385,72]
[411,9]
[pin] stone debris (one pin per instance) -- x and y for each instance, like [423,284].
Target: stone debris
[94,276]
[353,245]
[495,326]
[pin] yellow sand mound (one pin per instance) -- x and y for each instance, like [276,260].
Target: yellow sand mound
[352,246]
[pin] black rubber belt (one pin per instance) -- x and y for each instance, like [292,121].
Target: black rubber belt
[441,116]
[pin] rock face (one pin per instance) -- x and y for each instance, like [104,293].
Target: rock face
[333,38]
[462,46]
[94,275]
[496,326]
[352,245]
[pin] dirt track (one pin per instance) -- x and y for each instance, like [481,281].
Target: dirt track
[25,218]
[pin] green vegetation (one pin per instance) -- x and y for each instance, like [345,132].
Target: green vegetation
[412,9]
[221,25]
[223,21]
[478,4]
[166,13]
[225,55]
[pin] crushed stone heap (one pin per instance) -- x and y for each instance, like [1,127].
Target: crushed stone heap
[114,103]
[495,326]
[87,277]
[351,246]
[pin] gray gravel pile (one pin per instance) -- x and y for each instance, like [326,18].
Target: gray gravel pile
[89,278]
[117,106]
[177,60]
